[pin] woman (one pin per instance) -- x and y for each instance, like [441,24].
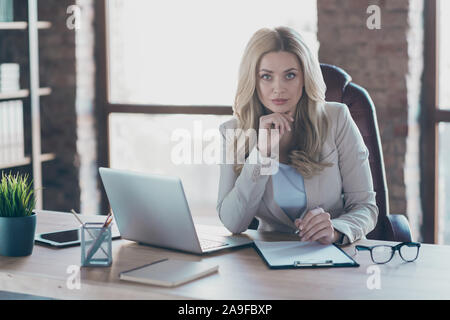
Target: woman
[323,186]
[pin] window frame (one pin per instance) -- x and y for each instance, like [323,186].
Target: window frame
[431,117]
[104,108]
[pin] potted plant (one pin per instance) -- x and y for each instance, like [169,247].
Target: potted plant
[17,219]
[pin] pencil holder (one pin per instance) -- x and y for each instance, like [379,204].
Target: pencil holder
[96,243]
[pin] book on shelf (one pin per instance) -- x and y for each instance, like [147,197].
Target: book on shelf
[6,10]
[9,77]
[11,132]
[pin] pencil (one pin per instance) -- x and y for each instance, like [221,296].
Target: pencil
[107,217]
[76,216]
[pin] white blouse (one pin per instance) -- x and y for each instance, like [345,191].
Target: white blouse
[289,190]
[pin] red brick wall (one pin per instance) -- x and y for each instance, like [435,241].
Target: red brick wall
[58,113]
[68,124]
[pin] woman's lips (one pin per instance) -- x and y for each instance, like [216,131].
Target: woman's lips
[279,101]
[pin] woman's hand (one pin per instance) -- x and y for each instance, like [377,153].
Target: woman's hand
[316,226]
[280,121]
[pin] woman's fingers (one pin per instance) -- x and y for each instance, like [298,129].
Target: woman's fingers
[315,232]
[289,116]
[283,123]
[325,236]
[312,225]
[318,218]
[276,123]
[307,218]
[280,121]
[316,226]
[285,120]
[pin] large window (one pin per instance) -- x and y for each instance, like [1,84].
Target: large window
[443,103]
[173,65]
[436,125]
[444,184]
[175,52]
[444,55]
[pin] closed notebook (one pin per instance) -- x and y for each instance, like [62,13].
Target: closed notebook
[168,272]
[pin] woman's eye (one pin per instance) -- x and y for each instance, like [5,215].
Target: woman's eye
[265,77]
[290,75]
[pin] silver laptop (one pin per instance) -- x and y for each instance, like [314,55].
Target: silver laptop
[152,209]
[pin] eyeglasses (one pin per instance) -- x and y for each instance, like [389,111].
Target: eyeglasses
[380,254]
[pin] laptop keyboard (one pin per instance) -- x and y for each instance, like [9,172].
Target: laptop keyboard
[206,244]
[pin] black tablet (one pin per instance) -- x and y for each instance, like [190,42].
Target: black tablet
[66,238]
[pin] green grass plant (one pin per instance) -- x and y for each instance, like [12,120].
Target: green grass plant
[16,196]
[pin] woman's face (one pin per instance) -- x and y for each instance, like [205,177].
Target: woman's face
[279,82]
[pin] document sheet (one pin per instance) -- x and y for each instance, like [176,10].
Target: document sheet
[285,253]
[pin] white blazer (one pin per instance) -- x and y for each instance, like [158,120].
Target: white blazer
[345,189]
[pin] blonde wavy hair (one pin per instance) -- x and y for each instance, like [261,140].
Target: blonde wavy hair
[311,122]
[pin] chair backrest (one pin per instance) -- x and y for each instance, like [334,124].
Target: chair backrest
[361,107]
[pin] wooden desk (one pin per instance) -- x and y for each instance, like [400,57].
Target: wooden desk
[242,273]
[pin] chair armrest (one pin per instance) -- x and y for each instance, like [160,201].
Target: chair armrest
[400,228]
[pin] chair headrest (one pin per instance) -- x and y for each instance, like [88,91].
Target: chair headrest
[336,80]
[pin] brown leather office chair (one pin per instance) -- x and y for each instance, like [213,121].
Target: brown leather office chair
[341,89]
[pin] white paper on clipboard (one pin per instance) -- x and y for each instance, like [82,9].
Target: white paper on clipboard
[286,253]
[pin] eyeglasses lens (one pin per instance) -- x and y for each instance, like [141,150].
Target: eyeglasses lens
[381,254]
[409,252]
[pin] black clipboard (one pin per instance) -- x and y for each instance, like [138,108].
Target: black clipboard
[297,254]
